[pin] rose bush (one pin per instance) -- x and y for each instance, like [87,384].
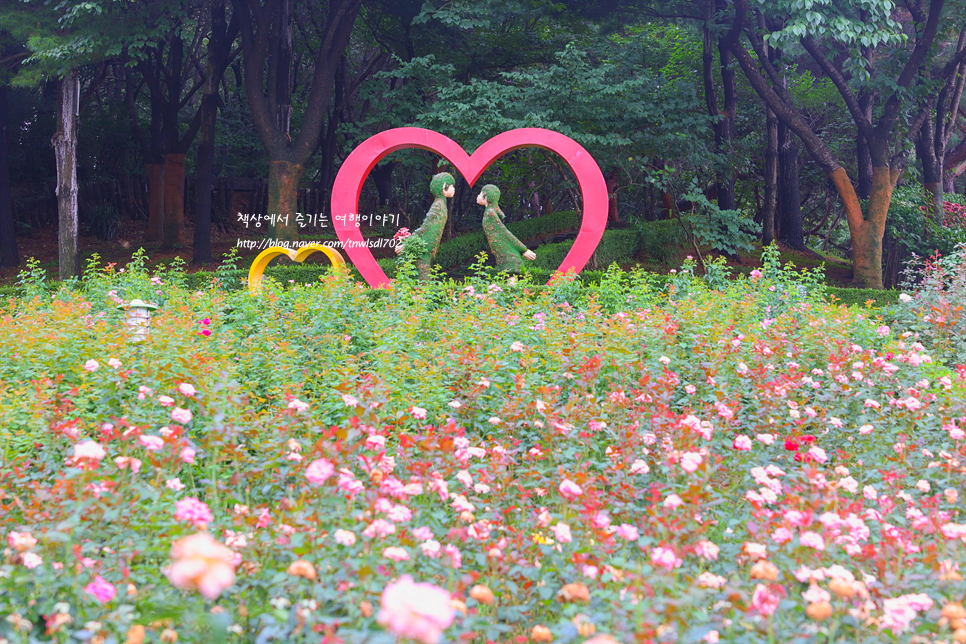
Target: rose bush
[740,464]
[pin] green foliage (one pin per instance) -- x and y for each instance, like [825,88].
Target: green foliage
[31,280]
[920,233]
[861,296]
[869,23]
[618,246]
[933,306]
[627,117]
[662,240]
[726,231]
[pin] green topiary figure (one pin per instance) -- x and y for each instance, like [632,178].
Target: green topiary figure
[441,186]
[507,249]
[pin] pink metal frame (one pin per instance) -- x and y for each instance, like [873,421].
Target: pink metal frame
[355,169]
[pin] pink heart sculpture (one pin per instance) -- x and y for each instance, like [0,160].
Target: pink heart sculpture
[355,169]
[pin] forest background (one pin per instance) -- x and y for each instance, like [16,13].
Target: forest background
[829,127]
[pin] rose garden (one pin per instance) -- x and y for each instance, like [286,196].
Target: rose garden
[489,460]
[552,376]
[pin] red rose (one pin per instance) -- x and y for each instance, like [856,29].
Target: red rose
[791,446]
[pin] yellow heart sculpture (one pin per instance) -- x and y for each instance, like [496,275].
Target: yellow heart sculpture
[261,262]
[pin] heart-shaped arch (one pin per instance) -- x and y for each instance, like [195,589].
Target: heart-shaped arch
[356,167]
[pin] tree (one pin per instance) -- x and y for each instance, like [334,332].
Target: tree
[267,49]
[219,57]
[63,38]
[9,255]
[941,115]
[841,40]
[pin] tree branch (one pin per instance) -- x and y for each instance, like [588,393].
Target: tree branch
[842,85]
[911,68]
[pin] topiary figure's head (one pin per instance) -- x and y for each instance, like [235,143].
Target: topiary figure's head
[492,195]
[441,182]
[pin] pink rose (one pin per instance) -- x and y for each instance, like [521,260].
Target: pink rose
[297,405]
[318,471]
[193,511]
[101,589]
[707,550]
[21,541]
[812,540]
[417,611]
[673,501]
[562,532]
[690,461]
[124,462]
[180,415]
[396,553]
[764,600]
[151,443]
[665,558]
[344,537]
[89,450]
[742,443]
[629,532]
[186,389]
[569,489]
[91,365]
[31,560]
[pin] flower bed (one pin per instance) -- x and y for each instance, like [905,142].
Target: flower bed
[480,462]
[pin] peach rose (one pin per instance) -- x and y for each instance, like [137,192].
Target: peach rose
[202,564]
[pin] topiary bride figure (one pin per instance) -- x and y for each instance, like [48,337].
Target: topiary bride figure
[507,249]
[430,233]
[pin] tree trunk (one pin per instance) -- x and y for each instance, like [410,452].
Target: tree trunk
[283,184]
[173,200]
[155,173]
[203,179]
[667,205]
[863,156]
[65,153]
[866,233]
[926,145]
[726,188]
[382,177]
[219,43]
[771,179]
[266,36]
[789,198]
[867,236]
[8,231]
[611,181]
